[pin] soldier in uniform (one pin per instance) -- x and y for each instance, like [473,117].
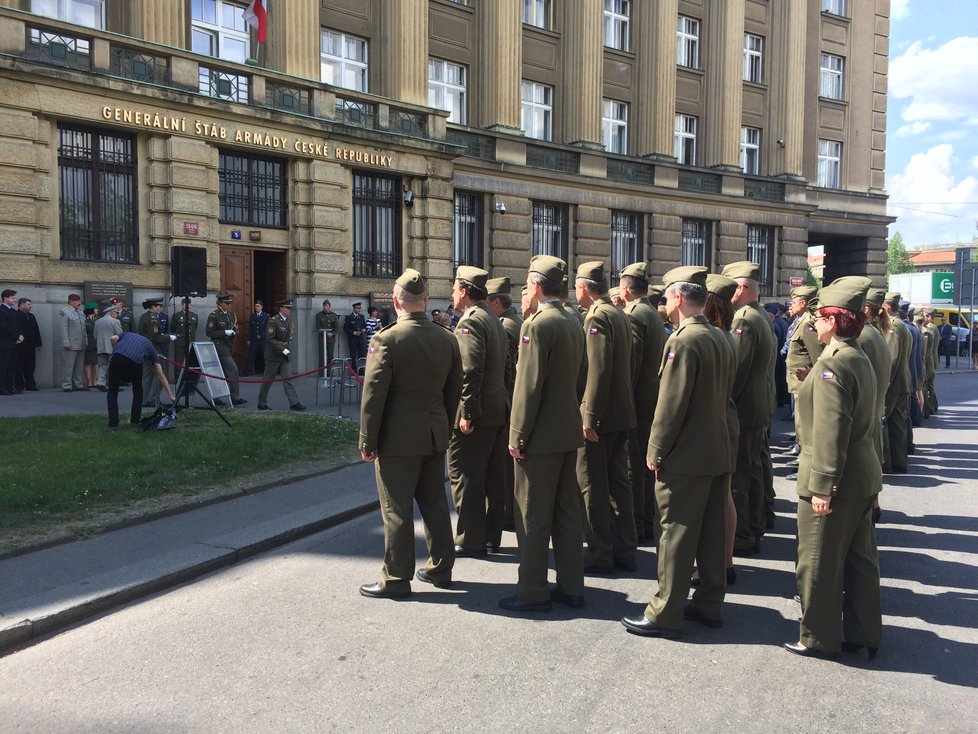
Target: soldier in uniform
[221,328]
[278,356]
[481,413]
[327,323]
[694,392]
[257,326]
[898,393]
[500,302]
[126,318]
[648,336]
[355,326]
[411,389]
[545,433]
[179,323]
[754,394]
[73,341]
[149,326]
[933,348]
[608,412]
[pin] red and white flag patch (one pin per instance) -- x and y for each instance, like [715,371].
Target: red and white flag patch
[593,330]
[525,339]
[828,375]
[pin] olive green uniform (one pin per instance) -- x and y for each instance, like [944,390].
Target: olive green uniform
[874,346]
[178,322]
[838,567]
[278,339]
[931,360]
[897,398]
[411,387]
[485,402]
[127,320]
[608,408]
[545,424]
[804,349]
[218,322]
[501,468]
[149,326]
[328,324]
[691,484]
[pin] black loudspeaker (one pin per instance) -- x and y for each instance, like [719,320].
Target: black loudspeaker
[188,271]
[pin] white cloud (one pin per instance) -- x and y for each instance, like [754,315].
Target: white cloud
[899,9]
[911,129]
[938,82]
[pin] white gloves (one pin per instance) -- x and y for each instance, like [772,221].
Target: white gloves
[229,332]
[173,337]
[285,352]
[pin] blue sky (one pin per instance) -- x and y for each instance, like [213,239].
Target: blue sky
[932,121]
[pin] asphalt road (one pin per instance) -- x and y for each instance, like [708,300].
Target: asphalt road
[283,642]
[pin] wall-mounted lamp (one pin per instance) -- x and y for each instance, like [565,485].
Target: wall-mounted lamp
[408,198]
[500,207]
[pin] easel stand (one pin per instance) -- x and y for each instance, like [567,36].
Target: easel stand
[189,382]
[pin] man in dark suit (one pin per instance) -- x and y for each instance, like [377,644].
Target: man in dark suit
[411,387]
[355,326]
[11,338]
[26,352]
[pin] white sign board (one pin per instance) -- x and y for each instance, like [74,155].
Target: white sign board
[211,364]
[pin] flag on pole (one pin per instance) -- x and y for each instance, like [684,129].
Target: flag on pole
[254,16]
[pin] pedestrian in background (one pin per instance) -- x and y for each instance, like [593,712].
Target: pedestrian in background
[26,351]
[373,323]
[131,353]
[73,340]
[105,328]
[10,338]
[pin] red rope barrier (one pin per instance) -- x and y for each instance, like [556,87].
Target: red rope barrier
[196,371]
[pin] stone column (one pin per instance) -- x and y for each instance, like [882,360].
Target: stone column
[501,62]
[293,38]
[161,21]
[654,123]
[583,56]
[724,84]
[788,25]
[404,51]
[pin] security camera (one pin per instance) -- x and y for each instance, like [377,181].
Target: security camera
[500,208]
[781,142]
[408,198]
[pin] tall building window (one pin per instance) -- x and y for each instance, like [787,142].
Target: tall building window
[89,13]
[467,231]
[616,17]
[829,163]
[343,60]
[536,114]
[376,225]
[538,13]
[686,139]
[253,190]
[835,7]
[831,80]
[550,230]
[760,250]
[446,89]
[97,195]
[626,228]
[688,42]
[697,242]
[218,29]
[753,58]
[750,150]
[614,126]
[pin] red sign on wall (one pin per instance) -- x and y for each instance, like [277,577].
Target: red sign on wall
[191,228]
[795,281]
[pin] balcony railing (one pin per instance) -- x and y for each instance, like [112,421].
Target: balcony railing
[225,85]
[287,98]
[139,66]
[356,114]
[476,146]
[767,190]
[620,170]
[706,183]
[59,49]
[407,123]
[554,159]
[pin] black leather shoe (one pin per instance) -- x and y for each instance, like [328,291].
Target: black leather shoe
[263,407]
[423,575]
[297,407]
[809,652]
[492,547]
[574,602]
[628,565]
[462,552]
[100,388]
[854,648]
[377,591]
[238,401]
[647,628]
[519,604]
[695,615]
[599,569]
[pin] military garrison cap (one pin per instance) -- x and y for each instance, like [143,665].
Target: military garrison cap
[592,270]
[805,292]
[637,270]
[929,312]
[850,296]
[473,275]
[550,267]
[686,274]
[287,303]
[876,296]
[743,269]
[655,294]
[918,317]
[721,286]
[892,298]
[154,302]
[225,297]
[499,286]
[411,281]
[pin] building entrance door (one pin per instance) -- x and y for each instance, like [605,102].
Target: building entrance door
[250,274]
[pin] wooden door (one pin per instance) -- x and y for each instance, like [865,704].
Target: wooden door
[237,265]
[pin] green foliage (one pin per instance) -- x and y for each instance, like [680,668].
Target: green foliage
[897,260]
[810,278]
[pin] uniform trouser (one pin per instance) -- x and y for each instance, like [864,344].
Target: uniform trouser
[692,515]
[895,433]
[72,368]
[468,465]
[402,481]
[610,513]
[325,359]
[229,367]
[643,486]
[121,370]
[499,489]
[103,369]
[767,471]
[25,362]
[930,396]
[8,362]
[548,506]
[748,487]
[838,575]
[254,349]
[151,385]
[275,369]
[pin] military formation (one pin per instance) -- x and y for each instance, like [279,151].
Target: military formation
[590,430]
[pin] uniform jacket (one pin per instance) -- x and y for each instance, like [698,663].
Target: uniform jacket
[411,388]
[27,323]
[648,337]
[550,378]
[835,412]
[511,325]
[608,405]
[756,349]
[149,326]
[10,327]
[257,325]
[178,324]
[72,328]
[354,322]
[279,332]
[482,343]
[106,327]
[127,320]
[900,343]
[916,356]
[874,347]
[327,321]
[218,322]
[694,395]
[803,349]
[933,345]
[733,422]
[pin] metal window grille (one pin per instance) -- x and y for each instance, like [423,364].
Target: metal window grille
[620,170]
[476,146]
[550,229]
[467,232]
[625,231]
[697,242]
[142,67]
[223,85]
[59,49]
[253,190]
[759,189]
[760,250]
[97,195]
[407,123]
[356,114]
[707,183]
[287,98]
[555,160]
[376,226]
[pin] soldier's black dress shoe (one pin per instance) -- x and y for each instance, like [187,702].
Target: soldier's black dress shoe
[853,647]
[297,407]
[492,547]
[462,552]
[377,591]
[695,615]
[626,564]
[809,652]
[599,569]
[647,628]
[423,575]
[519,604]
[238,401]
[574,602]
[263,407]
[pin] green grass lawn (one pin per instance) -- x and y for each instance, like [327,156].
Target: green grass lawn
[65,472]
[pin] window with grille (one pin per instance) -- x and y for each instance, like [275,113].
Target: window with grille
[550,229]
[253,190]
[688,42]
[753,58]
[617,14]
[218,29]
[697,242]
[750,150]
[626,228]
[97,195]
[467,230]
[614,126]
[685,147]
[446,89]
[538,13]
[831,81]
[343,60]
[376,225]
[829,163]
[536,112]
[760,250]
